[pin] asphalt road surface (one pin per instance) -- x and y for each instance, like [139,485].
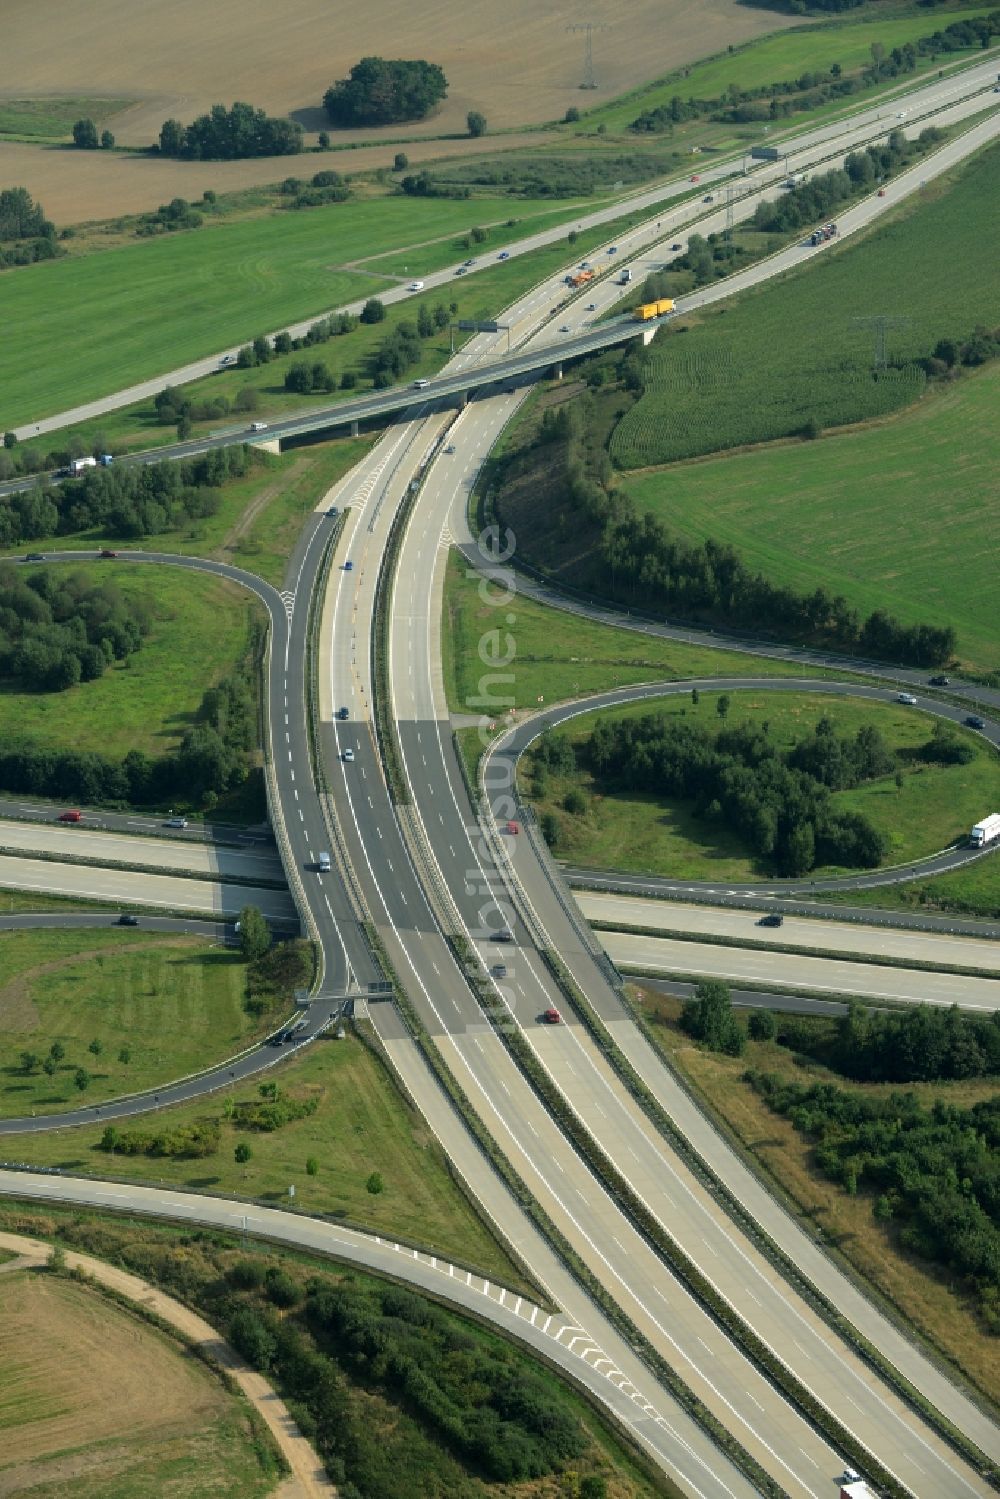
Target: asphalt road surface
[124,888]
[83,841]
[798,931]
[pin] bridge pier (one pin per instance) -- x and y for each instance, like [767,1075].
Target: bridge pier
[648,334]
[557,371]
[354,428]
[463,400]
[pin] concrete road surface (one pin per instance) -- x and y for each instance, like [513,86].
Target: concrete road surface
[660,955]
[121,887]
[798,931]
[84,841]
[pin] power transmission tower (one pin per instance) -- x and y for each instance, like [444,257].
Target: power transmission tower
[881,324]
[588,28]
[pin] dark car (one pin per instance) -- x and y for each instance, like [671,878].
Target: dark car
[126,920]
[939,681]
[333,510]
[343,713]
[676,246]
[503,935]
[107,552]
[773,918]
[35,557]
[973,721]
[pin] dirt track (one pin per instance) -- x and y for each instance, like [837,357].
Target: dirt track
[308,1479]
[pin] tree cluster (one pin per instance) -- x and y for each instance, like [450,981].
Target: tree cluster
[230,135]
[272,1111]
[177,214]
[820,197]
[323,187]
[644,564]
[87,137]
[185,1142]
[385,92]
[934,1171]
[778,804]
[57,630]
[922,1044]
[951,354]
[26,235]
[547,175]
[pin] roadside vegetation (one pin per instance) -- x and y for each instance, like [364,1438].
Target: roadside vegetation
[972,891]
[449,1407]
[173,1427]
[884,1240]
[374,1162]
[602,787]
[89,1015]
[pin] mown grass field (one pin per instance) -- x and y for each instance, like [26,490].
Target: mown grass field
[973,891]
[82,327]
[148,702]
[53,119]
[97,1404]
[900,516]
[175,1002]
[925,1299]
[645,833]
[561,655]
[777,58]
[360,1125]
[704,389]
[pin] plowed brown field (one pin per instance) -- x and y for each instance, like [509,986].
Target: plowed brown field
[515,62]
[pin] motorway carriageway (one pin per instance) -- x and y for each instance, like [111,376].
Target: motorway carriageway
[790,971]
[624,911]
[83,841]
[122,887]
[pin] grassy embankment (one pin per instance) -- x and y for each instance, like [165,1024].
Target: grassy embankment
[784,55]
[170,1427]
[360,1125]
[925,1297]
[637,831]
[87,325]
[174,1003]
[148,702]
[53,119]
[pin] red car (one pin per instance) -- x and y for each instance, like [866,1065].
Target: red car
[513,827]
[72,816]
[552,1016]
[696,178]
[105,552]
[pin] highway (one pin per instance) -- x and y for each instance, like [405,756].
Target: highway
[793,972]
[124,888]
[82,841]
[644,248]
[464,889]
[625,911]
[431,869]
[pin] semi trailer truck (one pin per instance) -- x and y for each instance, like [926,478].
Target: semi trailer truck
[987,831]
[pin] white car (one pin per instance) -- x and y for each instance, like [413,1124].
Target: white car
[907,698]
[258,426]
[565,328]
[349,755]
[416,286]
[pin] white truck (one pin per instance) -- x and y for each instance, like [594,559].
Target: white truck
[625,277]
[78,465]
[986,831]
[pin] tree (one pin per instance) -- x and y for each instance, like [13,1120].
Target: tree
[107,140]
[373,311]
[695,697]
[400,161]
[81,1078]
[57,1051]
[85,135]
[572,115]
[375,1184]
[10,440]
[709,1018]
[312,1166]
[124,1055]
[96,1047]
[255,935]
[324,140]
[171,138]
[476,122]
[762,1025]
[29,1062]
[49,1067]
[242,1153]
[722,704]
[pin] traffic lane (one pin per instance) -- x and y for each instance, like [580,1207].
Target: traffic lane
[83,840]
[149,825]
[870,980]
[765,900]
[126,888]
[219,931]
[628,911]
